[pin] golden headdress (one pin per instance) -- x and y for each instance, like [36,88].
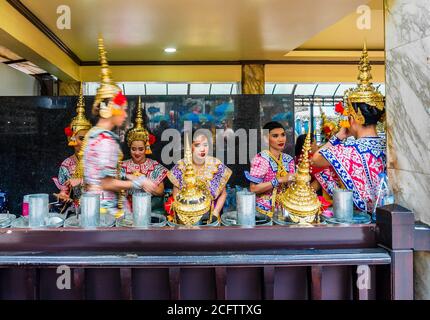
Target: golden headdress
[139,133]
[365,92]
[300,200]
[108,89]
[193,200]
[79,122]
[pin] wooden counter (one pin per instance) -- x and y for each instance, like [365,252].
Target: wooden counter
[268,262]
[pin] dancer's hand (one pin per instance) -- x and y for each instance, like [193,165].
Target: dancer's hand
[149,186]
[146,184]
[74,182]
[343,133]
[62,196]
[287,179]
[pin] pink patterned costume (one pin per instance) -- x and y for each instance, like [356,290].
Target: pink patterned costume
[65,173]
[150,169]
[264,169]
[355,165]
[102,155]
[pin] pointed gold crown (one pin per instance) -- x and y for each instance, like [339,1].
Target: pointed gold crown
[300,200]
[365,92]
[79,122]
[139,133]
[193,200]
[108,88]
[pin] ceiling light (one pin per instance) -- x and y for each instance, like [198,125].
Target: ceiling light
[170,50]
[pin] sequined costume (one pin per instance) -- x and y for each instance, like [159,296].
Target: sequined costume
[214,174]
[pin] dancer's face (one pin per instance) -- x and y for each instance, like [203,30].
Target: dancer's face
[277,139]
[200,148]
[79,137]
[137,150]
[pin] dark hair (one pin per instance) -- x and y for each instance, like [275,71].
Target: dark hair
[201,132]
[273,125]
[299,144]
[371,114]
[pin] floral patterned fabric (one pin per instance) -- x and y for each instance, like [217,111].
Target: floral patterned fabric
[150,169]
[355,166]
[264,169]
[65,173]
[102,154]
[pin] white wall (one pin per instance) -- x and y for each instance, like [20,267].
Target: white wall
[17,83]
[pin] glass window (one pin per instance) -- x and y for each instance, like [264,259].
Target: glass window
[343,87]
[177,88]
[326,89]
[199,88]
[305,89]
[284,88]
[156,89]
[221,88]
[90,88]
[235,89]
[132,88]
[268,88]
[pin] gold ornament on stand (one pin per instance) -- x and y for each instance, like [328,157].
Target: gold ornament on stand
[194,199]
[300,200]
[139,133]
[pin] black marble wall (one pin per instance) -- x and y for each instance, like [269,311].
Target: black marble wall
[33,144]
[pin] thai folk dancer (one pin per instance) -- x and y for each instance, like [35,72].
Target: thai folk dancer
[355,163]
[101,152]
[209,171]
[139,140]
[69,180]
[271,170]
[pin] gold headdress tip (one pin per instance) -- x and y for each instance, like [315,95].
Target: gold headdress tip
[365,92]
[80,122]
[138,133]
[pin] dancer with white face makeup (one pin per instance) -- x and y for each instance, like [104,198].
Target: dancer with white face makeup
[209,171]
